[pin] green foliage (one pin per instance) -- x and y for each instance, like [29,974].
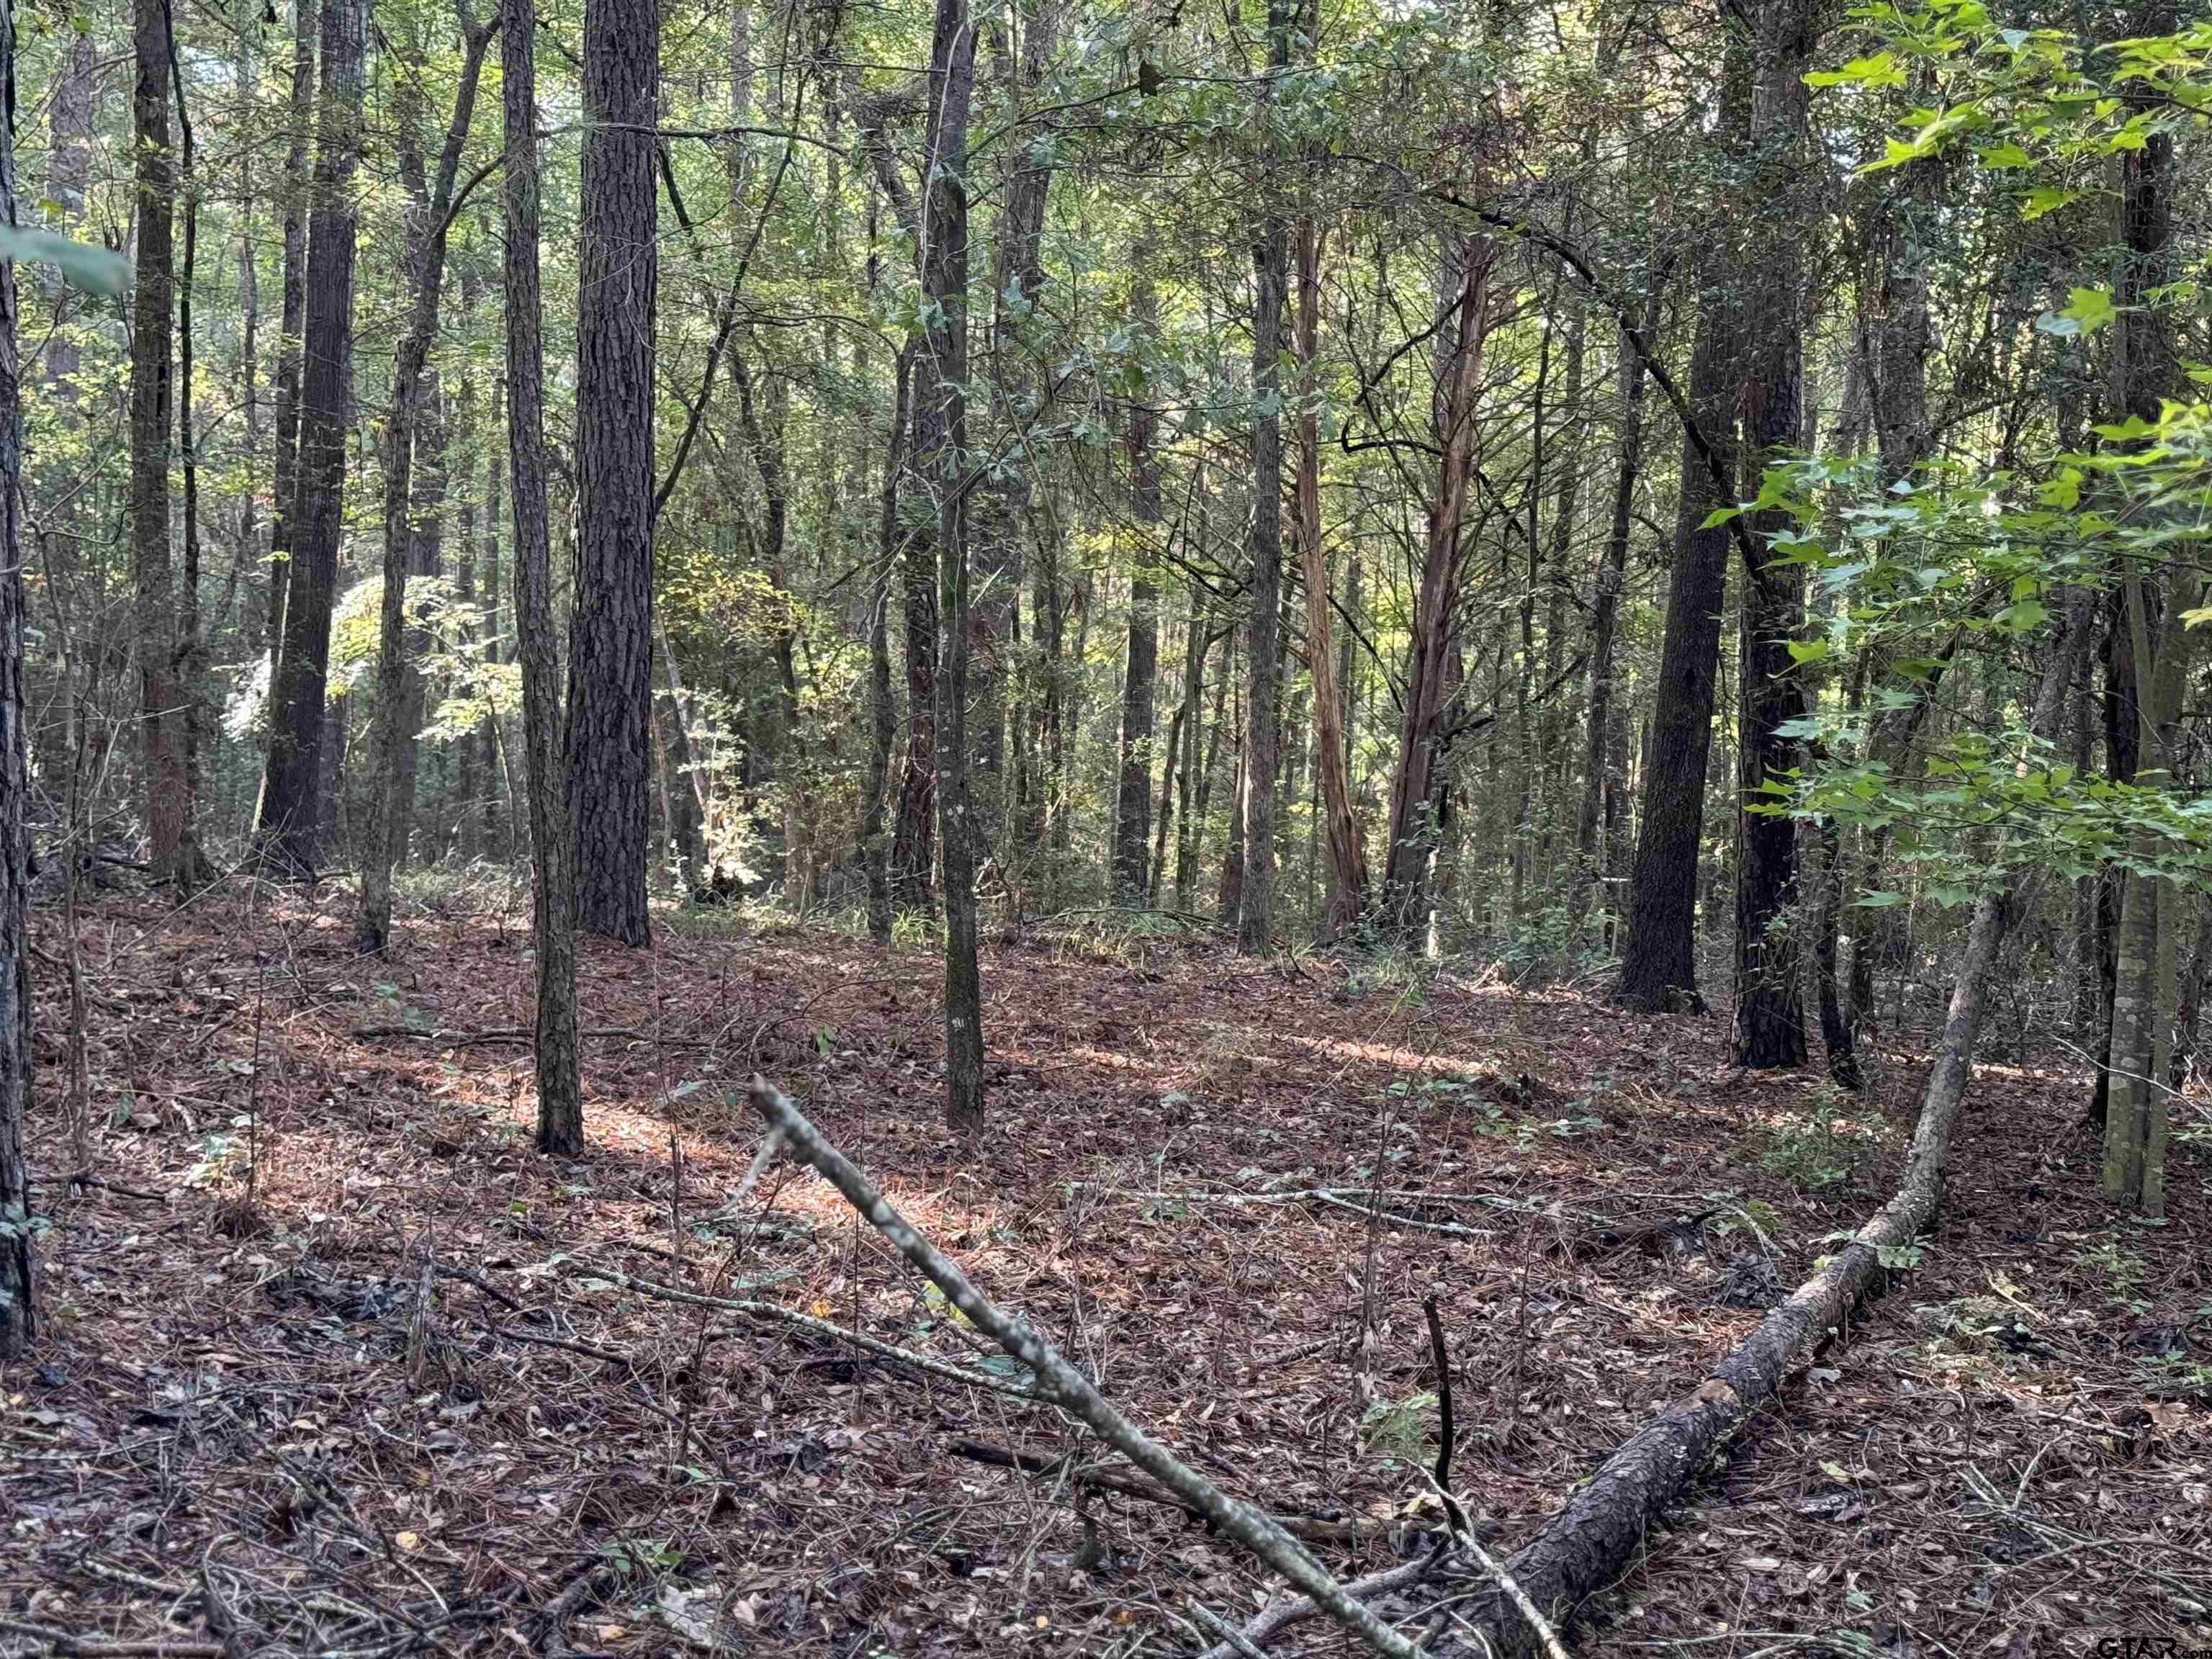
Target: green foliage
[1816,1150]
[1396,1430]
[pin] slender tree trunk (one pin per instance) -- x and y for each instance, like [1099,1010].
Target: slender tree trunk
[1271,271]
[1133,794]
[1415,834]
[1659,964]
[490,736]
[163,714]
[1346,871]
[610,746]
[18,1308]
[883,714]
[1187,799]
[289,822]
[400,690]
[560,1099]
[1605,609]
[940,461]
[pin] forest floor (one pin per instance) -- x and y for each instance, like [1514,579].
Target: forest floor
[389,1408]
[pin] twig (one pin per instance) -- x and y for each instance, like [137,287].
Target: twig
[1279,1616]
[1298,1526]
[1060,1384]
[62,1641]
[822,1327]
[456,1039]
[571,1601]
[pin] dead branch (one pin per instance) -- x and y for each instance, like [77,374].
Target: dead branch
[1298,1526]
[62,1641]
[456,1039]
[1061,1384]
[822,1327]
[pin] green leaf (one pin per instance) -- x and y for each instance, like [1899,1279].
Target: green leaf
[1805,650]
[94,270]
[1880,900]
[2007,154]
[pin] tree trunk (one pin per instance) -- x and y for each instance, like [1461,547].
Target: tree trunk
[560,1099]
[940,407]
[1190,806]
[289,822]
[1347,870]
[1133,804]
[1271,272]
[1770,1020]
[1605,609]
[1659,964]
[18,1308]
[163,714]
[1414,832]
[490,736]
[399,693]
[297,204]
[610,741]
[883,716]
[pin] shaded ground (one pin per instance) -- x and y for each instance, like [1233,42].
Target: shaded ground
[288,1427]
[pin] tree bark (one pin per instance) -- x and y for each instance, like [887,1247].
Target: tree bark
[1659,963]
[940,409]
[1133,803]
[1415,831]
[610,730]
[560,1098]
[1770,1018]
[1605,608]
[883,714]
[164,713]
[18,1304]
[1346,869]
[289,822]
[297,204]
[1271,272]
[399,693]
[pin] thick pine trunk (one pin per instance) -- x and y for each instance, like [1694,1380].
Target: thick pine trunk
[290,820]
[1659,963]
[610,730]
[297,205]
[553,915]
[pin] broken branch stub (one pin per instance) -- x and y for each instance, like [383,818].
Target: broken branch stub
[1062,1385]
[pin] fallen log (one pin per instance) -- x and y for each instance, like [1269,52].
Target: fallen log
[1583,1547]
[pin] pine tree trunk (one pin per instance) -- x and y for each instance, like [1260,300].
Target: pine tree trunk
[298,202]
[553,915]
[940,461]
[883,716]
[1346,869]
[1659,963]
[609,750]
[290,820]
[1415,834]
[1271,272]
[1605,609]
[1133,804]
[18,1308]
[162,712]
[399,688]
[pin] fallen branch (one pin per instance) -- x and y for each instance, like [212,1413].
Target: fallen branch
[1582,1548]
[822,1327]
[1298,1526]
[62,1641]
[458,1039]
[1061,1384]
